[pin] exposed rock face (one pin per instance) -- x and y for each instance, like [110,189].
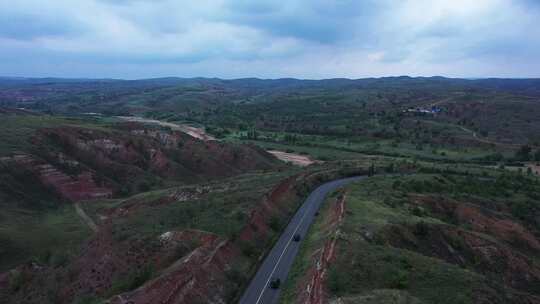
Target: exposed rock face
[78,187]
[80,163]
[131,152]
[312,288]
[273,204]
[497,223]
[199,277]
[494,245]
[202,275]
[187,266]
[472,250]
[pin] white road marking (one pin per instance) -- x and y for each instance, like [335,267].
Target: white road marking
[279,259]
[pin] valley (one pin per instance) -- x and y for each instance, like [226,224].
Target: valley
[270,152]
[176,190]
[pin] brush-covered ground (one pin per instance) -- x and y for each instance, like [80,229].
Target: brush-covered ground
[49,162]
[113,211]
[97,208]
[423,117]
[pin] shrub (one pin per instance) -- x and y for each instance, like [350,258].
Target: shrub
[524,153]
[59,259]
[339,281]
[144,187]
[16,280]
[132,281]
[275,223]
[248,249]
[418,211]
[421,229]
[401,280]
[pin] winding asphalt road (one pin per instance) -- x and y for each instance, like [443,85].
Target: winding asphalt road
[280,259]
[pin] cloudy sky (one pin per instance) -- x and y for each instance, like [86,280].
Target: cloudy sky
[269,38]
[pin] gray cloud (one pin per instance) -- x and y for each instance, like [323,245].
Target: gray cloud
[298,38]
[24,26]
[319,21]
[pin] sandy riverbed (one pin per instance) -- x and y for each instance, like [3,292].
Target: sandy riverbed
[297,159]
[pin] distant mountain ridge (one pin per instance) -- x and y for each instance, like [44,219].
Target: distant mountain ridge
[523,85]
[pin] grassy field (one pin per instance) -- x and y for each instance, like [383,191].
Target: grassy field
[379,267]
[49,237]
[352,147]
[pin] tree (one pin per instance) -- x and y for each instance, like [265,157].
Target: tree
[371,170]
[390,168]
[524,153]
[252,134]
[537,156]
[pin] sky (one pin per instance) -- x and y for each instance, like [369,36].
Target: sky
[310,39]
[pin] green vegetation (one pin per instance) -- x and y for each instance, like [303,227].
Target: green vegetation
[221,211]
[313,241]
[352,147]
[131,281]
[456,143]
[367,266]
[383,268]
[389,116]
[379,267]
[16,130]
[49,237]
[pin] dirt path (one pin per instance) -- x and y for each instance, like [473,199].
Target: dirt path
[487,141]
[474,134]
[86,218]
[192,131]
[297,159]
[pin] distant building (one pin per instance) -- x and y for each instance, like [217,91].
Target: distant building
[420,110]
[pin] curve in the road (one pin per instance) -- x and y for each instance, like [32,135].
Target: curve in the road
[279,260]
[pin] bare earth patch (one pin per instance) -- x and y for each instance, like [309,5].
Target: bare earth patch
[297,159]
[535,167]
[191,131]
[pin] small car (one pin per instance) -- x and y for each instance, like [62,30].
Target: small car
[296,238]
[274,284]
[317,213]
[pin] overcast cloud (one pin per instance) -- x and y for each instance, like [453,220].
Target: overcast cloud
[269,39]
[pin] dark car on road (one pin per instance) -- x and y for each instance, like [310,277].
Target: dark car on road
[274,284]
[296,238]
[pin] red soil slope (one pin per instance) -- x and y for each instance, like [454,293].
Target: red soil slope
[312,288]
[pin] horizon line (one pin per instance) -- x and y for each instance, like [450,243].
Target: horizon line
[2,77]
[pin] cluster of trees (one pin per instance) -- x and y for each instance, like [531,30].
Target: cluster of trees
[525,153]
